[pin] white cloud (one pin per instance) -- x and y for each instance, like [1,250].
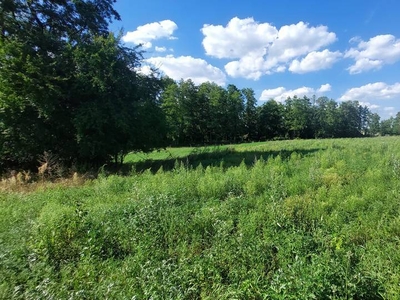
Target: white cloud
[160,49]
[280,94]
[299,39]
[250,66]
[378,51]
[238,38]
[185,67]
[370,105]
[325,88]
[256,48]
[372,91]
[149,32]
[315,61]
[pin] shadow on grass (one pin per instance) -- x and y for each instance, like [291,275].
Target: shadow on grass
[227,157]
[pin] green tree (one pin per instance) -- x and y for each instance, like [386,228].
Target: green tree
[387,126]
[192,111]
[374,125]
[250,114]
[270,120]
[349,119]
[326,116]
[173,113]
[298,117]
[234,109]
[217,98]
[396,124]
[208,92]
[67,85]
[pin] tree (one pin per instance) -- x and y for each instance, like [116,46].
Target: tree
[374,125]
[325,118]
[396,124]
[209,123]
[68,86]
[234,113]
[216,97]
[387,126]
[270,120]
[192,111]
[173,113]
[349,119]
[298,117]
[250,114]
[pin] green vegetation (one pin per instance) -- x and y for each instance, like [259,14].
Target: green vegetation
[71,91]
[69,87]
[311,219]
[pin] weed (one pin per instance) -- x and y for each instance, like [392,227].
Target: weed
[313,219]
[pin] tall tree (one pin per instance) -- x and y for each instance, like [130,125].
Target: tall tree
[298,117]
[396,124]
[66,84]
[218,101]
[271,120]
[234,113]
[374,125]
[173,113]
[250,114]
[325,118]
[349,119]
[191,107]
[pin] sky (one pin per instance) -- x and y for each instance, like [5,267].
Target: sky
[344,50]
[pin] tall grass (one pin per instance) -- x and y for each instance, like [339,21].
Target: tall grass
[315,219]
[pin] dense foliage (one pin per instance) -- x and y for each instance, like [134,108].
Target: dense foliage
[69,87]
[312,219]
[211,114]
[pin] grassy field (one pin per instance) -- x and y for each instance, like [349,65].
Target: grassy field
[312,219]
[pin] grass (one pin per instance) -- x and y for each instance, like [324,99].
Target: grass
[228,155]
[314,219]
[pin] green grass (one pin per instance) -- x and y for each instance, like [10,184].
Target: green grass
[314,219]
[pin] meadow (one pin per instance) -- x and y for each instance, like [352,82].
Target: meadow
[302,219]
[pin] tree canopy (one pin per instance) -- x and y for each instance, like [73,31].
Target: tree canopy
[68,86]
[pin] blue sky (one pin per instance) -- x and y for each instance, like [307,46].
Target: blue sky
[345,50]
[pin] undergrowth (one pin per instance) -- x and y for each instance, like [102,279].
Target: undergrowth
[290,224]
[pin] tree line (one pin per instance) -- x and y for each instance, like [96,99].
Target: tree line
[210,114]
[71,88]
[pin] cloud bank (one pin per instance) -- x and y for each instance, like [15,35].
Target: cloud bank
[280,94]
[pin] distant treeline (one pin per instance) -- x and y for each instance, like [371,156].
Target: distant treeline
[69,88]
[211,114]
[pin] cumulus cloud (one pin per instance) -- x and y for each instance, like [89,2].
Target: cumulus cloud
[238,38]
[372,91]
[373,54]
[187,67]
[280,94]
[325,88]
[256,48]
[160,49]
[315,61]
[149,32]
[299,39]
